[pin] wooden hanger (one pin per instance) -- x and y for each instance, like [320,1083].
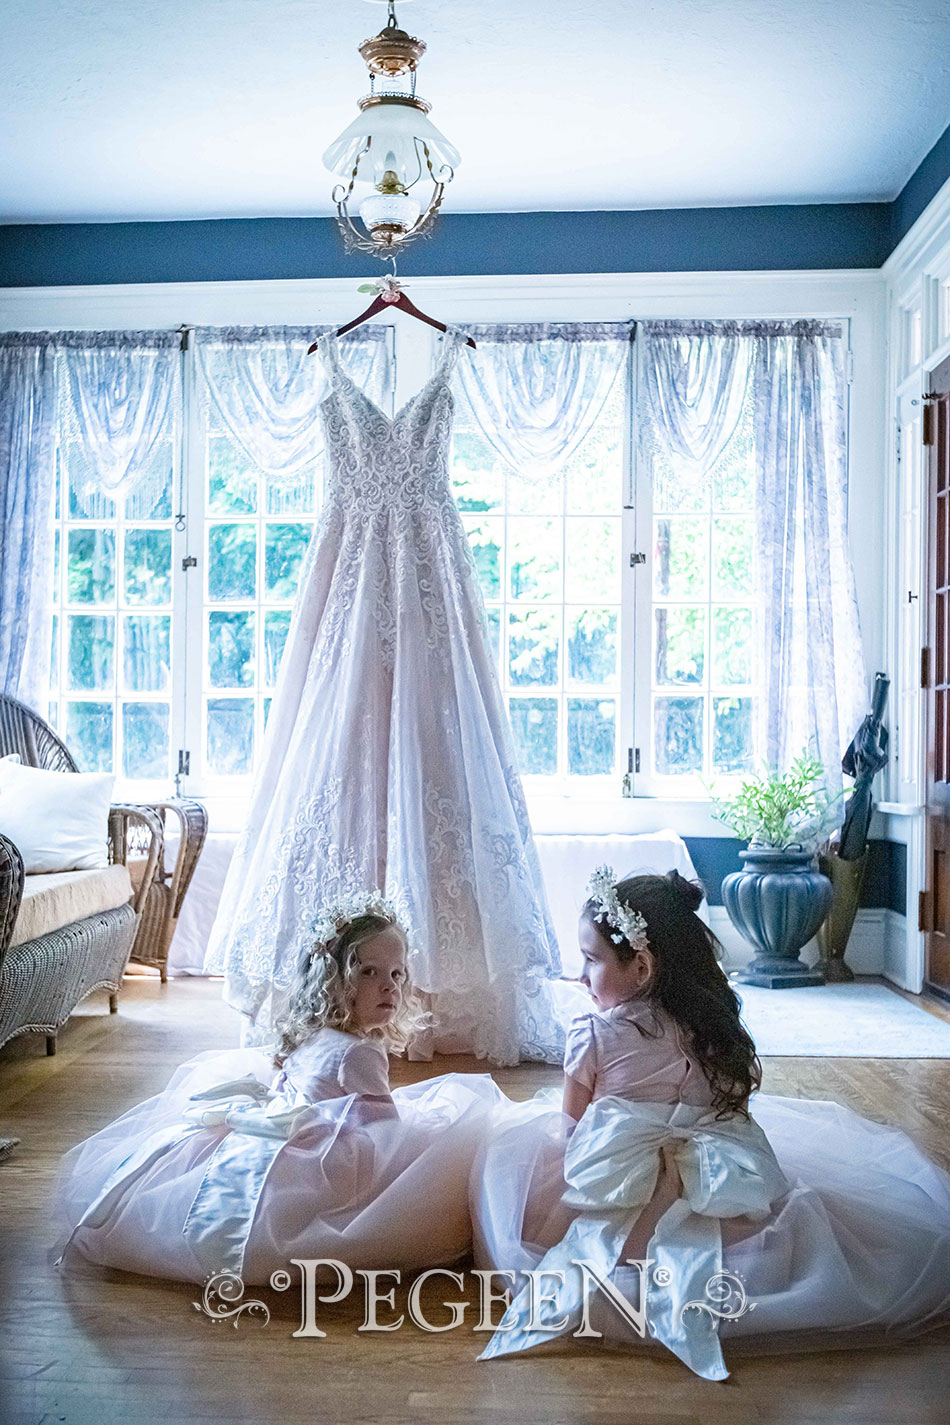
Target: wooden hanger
[392,297]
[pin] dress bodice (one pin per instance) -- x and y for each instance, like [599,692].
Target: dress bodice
[330,1065]
[375,461]
[635,1051]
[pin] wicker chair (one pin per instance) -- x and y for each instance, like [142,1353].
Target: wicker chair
[166,888]
[43,980]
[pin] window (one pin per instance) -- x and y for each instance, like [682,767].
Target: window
[703,637]
[256,533]
[548,551]
[168,633]
[113,662]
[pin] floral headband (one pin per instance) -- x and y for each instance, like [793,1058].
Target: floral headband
[626,924]
[334,918]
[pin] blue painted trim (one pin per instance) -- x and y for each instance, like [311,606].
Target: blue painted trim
[922,186]
[885,880]
[779,238]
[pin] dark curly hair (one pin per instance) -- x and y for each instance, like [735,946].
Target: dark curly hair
[689,984]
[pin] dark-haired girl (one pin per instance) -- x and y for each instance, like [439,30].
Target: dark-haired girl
[793,1225]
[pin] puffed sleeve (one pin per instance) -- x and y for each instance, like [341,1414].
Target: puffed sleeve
[364,1068]
[580,1051]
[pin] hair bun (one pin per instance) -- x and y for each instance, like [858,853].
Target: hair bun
[692,893]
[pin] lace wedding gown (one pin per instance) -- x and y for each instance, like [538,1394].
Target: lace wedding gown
[389,760]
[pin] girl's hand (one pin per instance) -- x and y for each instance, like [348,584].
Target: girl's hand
[577,1097]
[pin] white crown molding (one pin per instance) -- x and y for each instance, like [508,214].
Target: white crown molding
[929,236]
[833,292]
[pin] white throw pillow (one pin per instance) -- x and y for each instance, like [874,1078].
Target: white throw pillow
[58,821]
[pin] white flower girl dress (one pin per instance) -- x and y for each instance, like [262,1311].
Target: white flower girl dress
[234,1168]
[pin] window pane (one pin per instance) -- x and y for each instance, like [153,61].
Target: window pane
[534,724]
[494,632]
[679,558]
[593,560]
[732,557]
[284,548]
[534,558]
[536,494]
[299,497]
[231,649]
[595,479]
[733,749]
[148,566]
[591,736]
[90,575]
[147,652]
[57,543]
[732,645]
[533,638]
[85,501]
[232,561]
[680,644]
[478,480]
[54,654]
[91,649]
[485,535]
[678,736]
[232,479]
[89,735]
[230,730]
[145,739]
[679,486]
[276,628]
[592,645]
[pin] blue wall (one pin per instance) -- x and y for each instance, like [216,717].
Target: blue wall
[777,238]
[469,244]
[885,879]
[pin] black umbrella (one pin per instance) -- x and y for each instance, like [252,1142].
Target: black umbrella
[862,761]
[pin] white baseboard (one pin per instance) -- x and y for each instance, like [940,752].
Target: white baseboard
[878,944]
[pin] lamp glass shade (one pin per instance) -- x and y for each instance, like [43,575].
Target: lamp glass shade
[394,129]
[399,209]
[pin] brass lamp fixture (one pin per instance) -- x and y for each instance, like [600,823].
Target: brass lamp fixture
[393,145]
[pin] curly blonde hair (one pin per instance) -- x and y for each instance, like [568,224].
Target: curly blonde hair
[326,991]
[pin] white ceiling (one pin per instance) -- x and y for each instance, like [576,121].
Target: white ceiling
[125,109]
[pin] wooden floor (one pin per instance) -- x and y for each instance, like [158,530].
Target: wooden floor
[109,1347]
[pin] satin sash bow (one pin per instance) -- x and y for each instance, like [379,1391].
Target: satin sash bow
[612,1165]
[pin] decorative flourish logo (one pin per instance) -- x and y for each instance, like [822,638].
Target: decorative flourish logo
[727,1299]
[222,1300]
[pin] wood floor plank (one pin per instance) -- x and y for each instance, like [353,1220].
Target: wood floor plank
[104,1347]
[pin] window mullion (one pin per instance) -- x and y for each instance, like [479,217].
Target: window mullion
[188,542]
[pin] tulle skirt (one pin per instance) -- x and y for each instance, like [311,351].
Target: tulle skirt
[148,1195]
[858,1249]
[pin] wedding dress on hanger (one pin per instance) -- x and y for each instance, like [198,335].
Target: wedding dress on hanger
[389,760]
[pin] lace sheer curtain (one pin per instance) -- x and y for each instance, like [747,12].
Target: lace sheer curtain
[265,389]
[536,389]
[120,398]
[27,493]
[695,380]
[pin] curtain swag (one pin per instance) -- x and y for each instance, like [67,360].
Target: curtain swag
[264,389]
[535,389]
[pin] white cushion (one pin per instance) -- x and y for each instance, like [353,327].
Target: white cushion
[58,821]
[52,901]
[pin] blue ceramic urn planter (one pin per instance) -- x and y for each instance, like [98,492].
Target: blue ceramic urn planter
[777,902]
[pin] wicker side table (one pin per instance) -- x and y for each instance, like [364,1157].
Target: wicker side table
[166,891]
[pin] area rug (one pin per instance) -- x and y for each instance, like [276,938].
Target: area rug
[842,1021]
[7,1146]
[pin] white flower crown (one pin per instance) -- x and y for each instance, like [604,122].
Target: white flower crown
[334,918]
[626,924]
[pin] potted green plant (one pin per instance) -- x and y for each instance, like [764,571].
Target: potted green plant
[779,898]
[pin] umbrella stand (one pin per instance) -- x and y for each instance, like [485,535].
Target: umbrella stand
[833,934]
